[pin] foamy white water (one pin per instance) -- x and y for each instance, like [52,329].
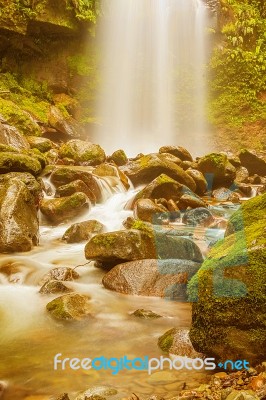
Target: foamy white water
[153,93]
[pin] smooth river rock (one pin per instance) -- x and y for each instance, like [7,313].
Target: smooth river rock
[159,278]
[19,226]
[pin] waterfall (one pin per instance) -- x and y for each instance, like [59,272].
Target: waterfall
[153,85]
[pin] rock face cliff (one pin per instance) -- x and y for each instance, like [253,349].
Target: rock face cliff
[47,55]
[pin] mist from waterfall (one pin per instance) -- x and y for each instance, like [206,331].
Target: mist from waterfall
[153,75]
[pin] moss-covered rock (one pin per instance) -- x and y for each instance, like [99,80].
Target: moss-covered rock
[229,313]
[70,307]
[64,208]
[39,143]
[64,175]
[161,187]
[82,152]
[13,162]
[136,244]
[146,168]
[19,118]
[217,170]
[145,314]
[82,231]
[176,341]
[19,228]
[119,157]
[74,187]
[52,287]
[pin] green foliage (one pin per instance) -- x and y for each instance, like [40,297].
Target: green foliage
[28,95]
[238,68]
[86,10]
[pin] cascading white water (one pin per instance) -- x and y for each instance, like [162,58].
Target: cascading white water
[153,90]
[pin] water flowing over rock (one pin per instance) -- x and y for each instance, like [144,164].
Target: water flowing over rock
[147,168]
[228,317]
[18,217]
[159,278]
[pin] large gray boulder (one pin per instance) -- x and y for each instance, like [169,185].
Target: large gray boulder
[19,227]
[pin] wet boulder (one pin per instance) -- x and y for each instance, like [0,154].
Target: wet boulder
[60,274]
[97,393]
[217,170]
[162,187]
[176,341]
[53,287]
[150,277]
[107,170]
[198,177]
[119,157]
[64,208]
[177,151]
[145,314]
[40,143]
[74,187]
[69,127]
[82,152]
[242,175]
[14,162]
[10,137]
[254,163]
[19,227]
[229,309]
[70,307]
[64,175]
[190,201]
[144,242]
[147,210]
[146,168]
[115,247]
[198,217]
[82,231]
[33,185]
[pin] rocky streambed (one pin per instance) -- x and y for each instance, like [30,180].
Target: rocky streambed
[106,256]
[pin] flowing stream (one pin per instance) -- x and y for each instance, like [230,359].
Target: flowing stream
[153,92]
[30,338]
